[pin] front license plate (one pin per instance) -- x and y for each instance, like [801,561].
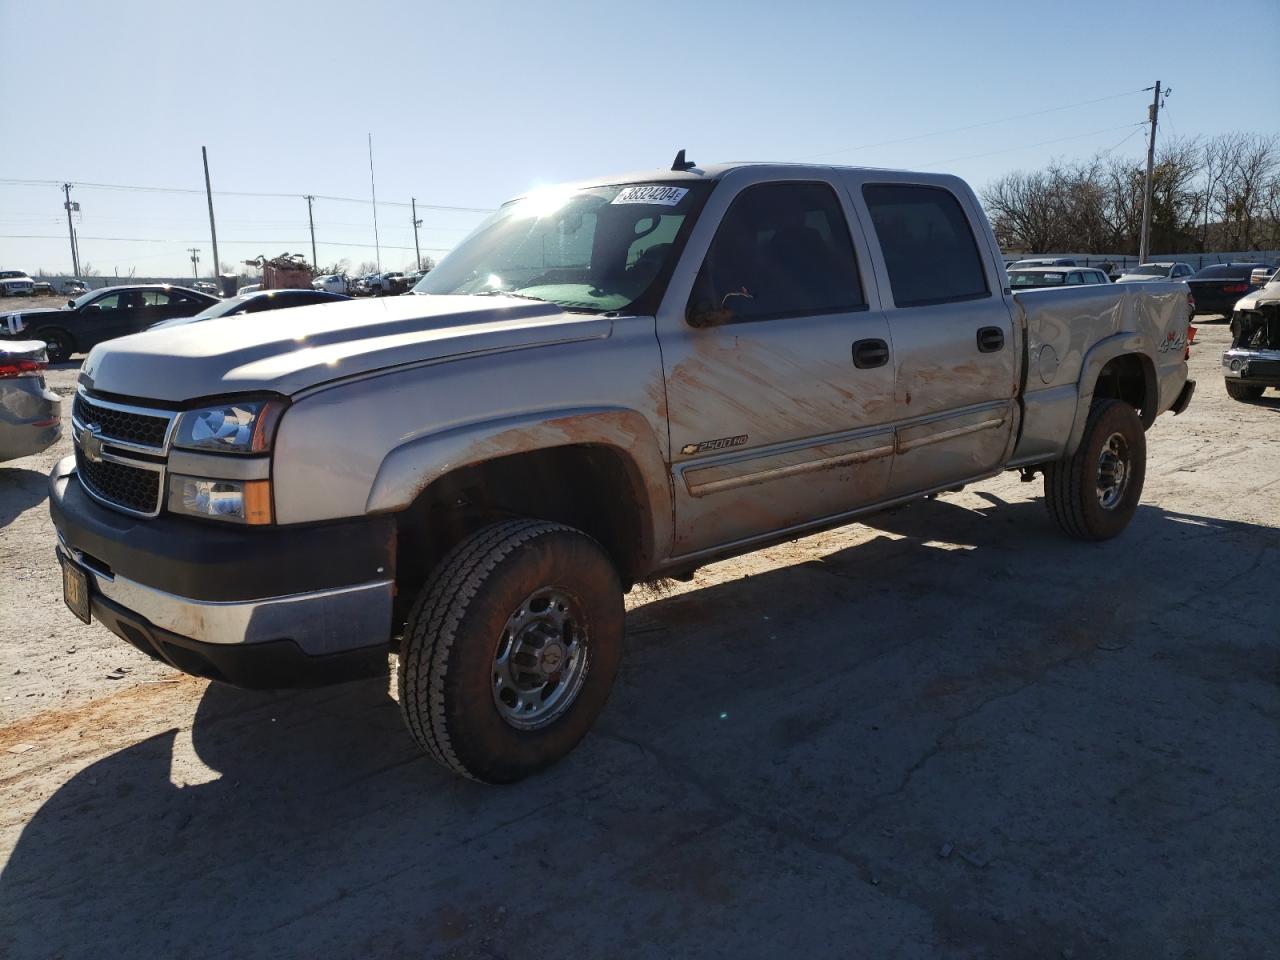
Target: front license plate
[75,591]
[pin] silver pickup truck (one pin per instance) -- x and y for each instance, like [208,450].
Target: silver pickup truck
[605,383]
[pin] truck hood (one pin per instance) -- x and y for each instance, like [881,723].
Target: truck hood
[1265,294]
[286,351]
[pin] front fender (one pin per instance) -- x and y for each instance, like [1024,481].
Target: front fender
[413,466]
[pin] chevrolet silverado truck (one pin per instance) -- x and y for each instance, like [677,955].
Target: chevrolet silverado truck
[604,384]
[1252,362]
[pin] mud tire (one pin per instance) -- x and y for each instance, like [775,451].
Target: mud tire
[446,656]
[1071,485]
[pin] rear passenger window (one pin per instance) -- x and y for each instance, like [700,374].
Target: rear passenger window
[782,250]
[929,247]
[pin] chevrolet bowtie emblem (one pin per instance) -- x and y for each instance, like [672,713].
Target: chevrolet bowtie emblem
[91,443]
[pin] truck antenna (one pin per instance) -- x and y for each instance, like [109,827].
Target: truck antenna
[681,163]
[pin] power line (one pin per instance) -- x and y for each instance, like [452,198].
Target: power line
[971,126]
[12,181]
[1042,143]
[283,243]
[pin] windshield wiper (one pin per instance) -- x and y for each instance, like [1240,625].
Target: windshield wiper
[509,293]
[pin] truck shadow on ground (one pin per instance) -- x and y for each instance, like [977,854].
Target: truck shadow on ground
[20,490]
[795,743]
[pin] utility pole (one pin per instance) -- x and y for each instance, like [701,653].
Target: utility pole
[413,202]
[373,192]
[315,262]
[71,230]
[1144,238]
[213,231]
[195,261]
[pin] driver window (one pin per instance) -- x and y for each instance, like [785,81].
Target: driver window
[109,303]
[782,250]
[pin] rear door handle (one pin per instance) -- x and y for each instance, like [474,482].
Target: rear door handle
[870,353]
[990,339]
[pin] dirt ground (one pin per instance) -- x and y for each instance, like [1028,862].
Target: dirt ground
[945,732]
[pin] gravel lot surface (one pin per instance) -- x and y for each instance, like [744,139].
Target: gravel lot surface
[946,732]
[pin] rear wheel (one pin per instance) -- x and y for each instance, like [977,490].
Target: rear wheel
[511,649]
[1244,392]
[1093,494]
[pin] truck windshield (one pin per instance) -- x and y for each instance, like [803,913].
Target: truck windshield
[596,250]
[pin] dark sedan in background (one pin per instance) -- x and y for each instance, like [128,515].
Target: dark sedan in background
[257,302]
[1217,287]
[102,315]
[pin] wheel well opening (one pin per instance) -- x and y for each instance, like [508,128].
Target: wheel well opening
[1127,378]
[593,488]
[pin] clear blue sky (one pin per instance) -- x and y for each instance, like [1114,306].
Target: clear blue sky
[470,103]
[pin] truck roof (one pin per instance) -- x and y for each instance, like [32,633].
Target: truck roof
[715,171]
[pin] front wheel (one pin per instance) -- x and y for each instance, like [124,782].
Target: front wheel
[57,345]
[1244,392]
[1093,494]
[511,649]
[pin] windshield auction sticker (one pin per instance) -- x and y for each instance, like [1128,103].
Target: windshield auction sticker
[651,193]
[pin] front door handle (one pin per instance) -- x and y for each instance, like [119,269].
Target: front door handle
[990,339]
[870,353]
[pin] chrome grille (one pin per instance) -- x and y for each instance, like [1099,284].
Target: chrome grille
[120,452]
[118,422]
[136,489]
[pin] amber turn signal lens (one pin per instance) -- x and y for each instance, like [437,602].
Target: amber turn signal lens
[257,501]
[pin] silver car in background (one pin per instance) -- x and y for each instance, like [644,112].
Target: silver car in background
[30,413]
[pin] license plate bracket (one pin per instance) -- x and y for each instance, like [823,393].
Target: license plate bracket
[75,590]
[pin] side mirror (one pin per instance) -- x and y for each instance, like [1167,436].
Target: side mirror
[71,303]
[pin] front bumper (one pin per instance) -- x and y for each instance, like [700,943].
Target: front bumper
[1252,367]
[266,607]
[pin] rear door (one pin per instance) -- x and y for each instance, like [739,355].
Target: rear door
[954,351]
[778,374]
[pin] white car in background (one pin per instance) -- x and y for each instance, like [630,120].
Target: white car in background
[330,283]
[1164,270]
[249,288]
[16,283]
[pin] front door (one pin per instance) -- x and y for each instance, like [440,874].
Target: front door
[779,377]
[955,354]
[111,315]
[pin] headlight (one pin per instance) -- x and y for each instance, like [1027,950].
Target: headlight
[247,426]
[239,501]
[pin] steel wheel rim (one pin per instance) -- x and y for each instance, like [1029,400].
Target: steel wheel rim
[541,659]
[1114,471]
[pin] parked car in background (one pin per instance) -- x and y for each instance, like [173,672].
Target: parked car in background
[206,286]
[1218,286]
[1032,278]
[330,283]
[1252,363]
[30,413]
[388,284]
[1261,274]
[257,302]
[73,288]
[1052,262]
[15,283]
[1156,271]
[42,288]
[248,288]
[103,314]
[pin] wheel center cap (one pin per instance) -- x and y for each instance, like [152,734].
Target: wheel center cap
[551,657]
